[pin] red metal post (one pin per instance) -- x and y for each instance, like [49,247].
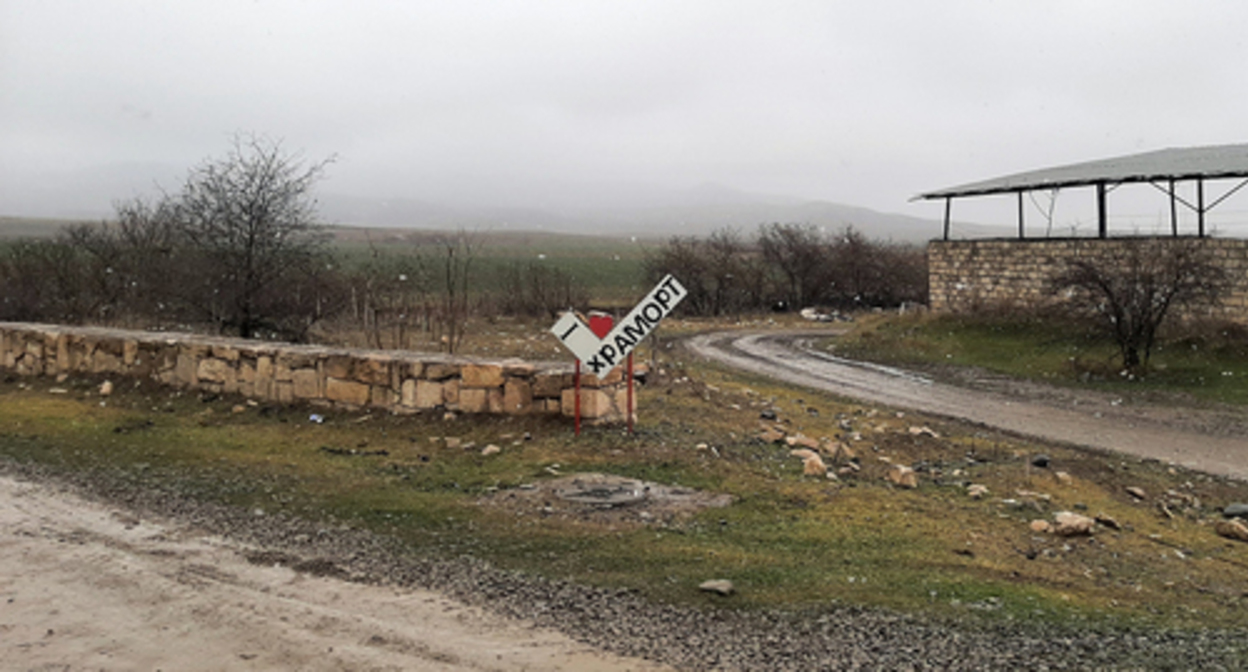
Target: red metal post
[576,405]
[629,405]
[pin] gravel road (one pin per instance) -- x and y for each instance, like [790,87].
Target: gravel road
[1214,441]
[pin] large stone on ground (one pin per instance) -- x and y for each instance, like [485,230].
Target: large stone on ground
[718,586]
[903,476]
[1237,510]
[1231,529]
[1071,524]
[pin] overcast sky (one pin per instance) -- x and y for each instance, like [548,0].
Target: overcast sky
[865,103]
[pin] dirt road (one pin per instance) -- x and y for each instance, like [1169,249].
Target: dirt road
[1214,441]
[84,586]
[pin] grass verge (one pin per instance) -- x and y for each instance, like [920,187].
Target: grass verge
[788,541]
[1208,363]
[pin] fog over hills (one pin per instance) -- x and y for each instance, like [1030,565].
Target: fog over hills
[624,209]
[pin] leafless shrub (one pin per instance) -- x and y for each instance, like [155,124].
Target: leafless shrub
[538,290]
[1130,287]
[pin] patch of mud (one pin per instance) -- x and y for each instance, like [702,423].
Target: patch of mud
[604,498]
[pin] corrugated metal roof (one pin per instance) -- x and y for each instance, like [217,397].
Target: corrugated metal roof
[1184,163]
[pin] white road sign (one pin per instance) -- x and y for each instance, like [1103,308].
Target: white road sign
[603,355]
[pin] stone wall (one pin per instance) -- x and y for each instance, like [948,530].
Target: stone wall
[401,382]
[968,275]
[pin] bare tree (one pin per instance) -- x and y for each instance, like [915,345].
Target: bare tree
[799,253]
[455,254]
[1130,286]
[250,222]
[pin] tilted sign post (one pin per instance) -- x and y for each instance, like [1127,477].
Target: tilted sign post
[602,355]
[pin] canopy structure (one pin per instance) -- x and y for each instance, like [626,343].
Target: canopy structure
[1162,169]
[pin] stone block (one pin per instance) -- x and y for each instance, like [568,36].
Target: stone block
[381,396]
[474,400]
[407,393]
[306,384]
[494,399]
[427,394]
[346,391]
[450,392]
[186,370]
[517,396]
[440,371]
[226,352]
[283,392]
[481,375]
[337,366]
[596,404]
[372,369]
[551,384]
[212,370]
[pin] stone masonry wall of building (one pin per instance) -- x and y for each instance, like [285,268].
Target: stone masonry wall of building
[969,275]
[400,382]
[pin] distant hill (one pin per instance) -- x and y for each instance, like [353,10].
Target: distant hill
[695,212]
[609,209]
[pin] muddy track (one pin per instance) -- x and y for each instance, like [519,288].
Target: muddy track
[1211,440]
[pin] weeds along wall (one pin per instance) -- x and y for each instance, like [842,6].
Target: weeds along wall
[395,381]
[969,275]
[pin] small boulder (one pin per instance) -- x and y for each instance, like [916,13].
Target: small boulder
[903,476]
[767,414]
[1040,526]
[1137,493]
[924,431]
[812,464]
[977,491]
[771,435]
[106,388]
[491,450]
[1041,461]
[1236,511]
[803,441]
[1231,529]
[718,586]
[1070,524]
[1063,478]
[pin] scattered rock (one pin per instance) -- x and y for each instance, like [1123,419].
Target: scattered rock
[57,390]
[977,491]
[767,414]
[923,431]
[1236,511]
[812,464]
[1070,524]
[803,441]
[719,586]
[1041,461]
[106,388]
[701,446]
[1040,526]
[1137,493]
[1231,529]
[770,435]
[453,442]
[1063,478]
[1107,521]
[903,476]
[238,408]
[491,450]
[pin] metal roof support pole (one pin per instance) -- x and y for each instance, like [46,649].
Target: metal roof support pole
[1021,234]
[948,207]
[1200,207]
[1102,226]
[1174,213]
